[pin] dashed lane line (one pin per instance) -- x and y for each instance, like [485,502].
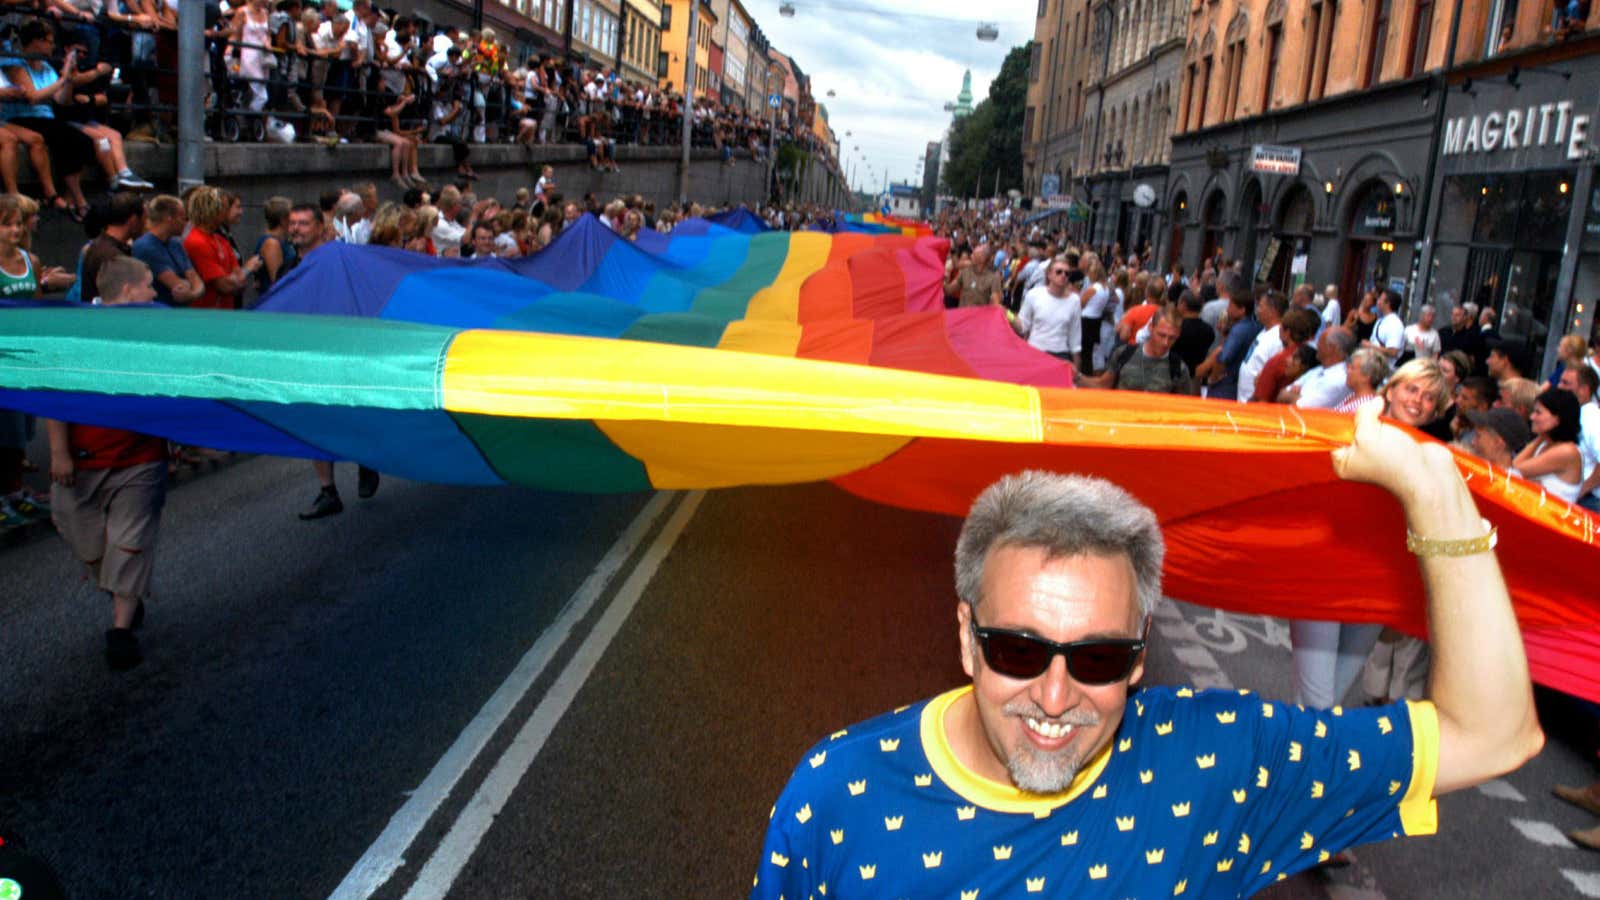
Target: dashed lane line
[1541,833]
[439,874]
[1500,789]
[387,853]
[1585,883]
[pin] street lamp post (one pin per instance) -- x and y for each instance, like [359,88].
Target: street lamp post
[688,106]
[191,94]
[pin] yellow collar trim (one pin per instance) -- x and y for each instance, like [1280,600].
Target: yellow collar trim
[983,791]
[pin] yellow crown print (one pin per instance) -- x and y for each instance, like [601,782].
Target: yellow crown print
[1321,730]
[1384,726]
[1294,751]
[1244,843]
[1262,776]
[1146,775]
[1306,840]
[1124,745]
[1164,727]
[803,815]
[1042,813]
[922,780]
[1322,856]
[821,889]
[893,823]
[888,745]
[1224,865]
[970,895]
[1099,872]
[1394,788]
[1070,839]
[1035,885]
[1124,823]
[819,758]
[965,813]
[857,788]
[1240,794]
[1338,710]
[1100,792]
[900,709]
[1316,790]
[1266,710]
[1179,810]
[1210,839]
[779,860]
[868,872]
[1002,851]
[1266,867]
[1185,692]
[1228,718]
[932,860]
[1180,887]
[838,734]
[1355,760]
[1154,857]
[1138,708]
[1207,761]
[836,835]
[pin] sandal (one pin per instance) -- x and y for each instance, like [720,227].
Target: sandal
[78,213]
[54,202]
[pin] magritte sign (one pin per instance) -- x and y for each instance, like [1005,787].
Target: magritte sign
[1519,128]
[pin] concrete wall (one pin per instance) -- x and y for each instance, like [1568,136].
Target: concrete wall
[302,172]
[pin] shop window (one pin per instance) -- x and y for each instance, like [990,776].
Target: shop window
[1485,276]
[1502,25]
[1422,32]
[1530,295]
[1546,206]
[1458,206]
[1377,37]
[1497,209]
[1444,284]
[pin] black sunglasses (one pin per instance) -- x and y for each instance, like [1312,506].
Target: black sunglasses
[1024,656]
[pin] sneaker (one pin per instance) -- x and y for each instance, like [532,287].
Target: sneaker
[10,517]
[27,504]
[326,504]
[122,650]
[132,182]
[366,482]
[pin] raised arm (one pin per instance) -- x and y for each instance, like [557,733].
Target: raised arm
[1479,683]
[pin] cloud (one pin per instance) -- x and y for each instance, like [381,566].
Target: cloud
[892,70]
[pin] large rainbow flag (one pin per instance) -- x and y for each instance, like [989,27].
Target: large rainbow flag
[721,356]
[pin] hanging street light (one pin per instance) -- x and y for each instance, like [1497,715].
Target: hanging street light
[987,32]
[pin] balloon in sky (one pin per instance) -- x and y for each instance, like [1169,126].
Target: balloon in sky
[725,355]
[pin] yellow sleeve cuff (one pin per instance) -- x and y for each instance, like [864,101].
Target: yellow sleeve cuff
[1419,813]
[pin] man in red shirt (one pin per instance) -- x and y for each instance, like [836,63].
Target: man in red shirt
[108,489]
[1135,319]
[1299,325]
[212,254]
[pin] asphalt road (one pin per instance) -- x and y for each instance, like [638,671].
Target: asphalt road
[502,693]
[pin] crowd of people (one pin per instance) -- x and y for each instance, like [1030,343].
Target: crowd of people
[82,76]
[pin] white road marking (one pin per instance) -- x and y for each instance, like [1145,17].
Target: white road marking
[1501,790]
[436,878]
[1541,832]
[1586,883]
[1195,657]
[387,853]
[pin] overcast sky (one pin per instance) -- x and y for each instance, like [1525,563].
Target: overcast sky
[893,71]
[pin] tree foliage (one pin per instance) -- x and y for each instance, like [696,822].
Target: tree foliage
[990,139]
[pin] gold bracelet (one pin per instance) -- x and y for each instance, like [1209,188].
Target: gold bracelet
[1422,546]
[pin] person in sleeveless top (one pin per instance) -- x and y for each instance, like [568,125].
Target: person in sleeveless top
[278,253]
[1551,460]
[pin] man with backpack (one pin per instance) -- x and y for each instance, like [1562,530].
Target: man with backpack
[1151,366]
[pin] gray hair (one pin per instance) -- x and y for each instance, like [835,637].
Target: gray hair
[1373,365]
[1064,515]
[1342,339]
[349,207]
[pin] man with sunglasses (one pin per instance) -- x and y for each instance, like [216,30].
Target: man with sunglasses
[1050,774]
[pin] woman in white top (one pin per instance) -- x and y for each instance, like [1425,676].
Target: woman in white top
[1551,459]
[1095,299]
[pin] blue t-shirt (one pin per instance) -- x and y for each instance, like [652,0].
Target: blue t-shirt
[1234,350]
[43,77]
[1211,794]
[162,256]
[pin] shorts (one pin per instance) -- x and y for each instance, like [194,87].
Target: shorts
[110,518]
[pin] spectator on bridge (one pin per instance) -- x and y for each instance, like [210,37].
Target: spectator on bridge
[13,137]
[1037,756]
[403,134]
[108,487]
[161,248]
[212,253]
[30,92]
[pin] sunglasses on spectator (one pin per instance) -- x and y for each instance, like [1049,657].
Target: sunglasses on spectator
[1024,656]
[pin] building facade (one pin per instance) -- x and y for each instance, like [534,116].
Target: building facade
[596,27]
[639,51]
[1123,148]
[1342,142]
[674,43]
[1058,72]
